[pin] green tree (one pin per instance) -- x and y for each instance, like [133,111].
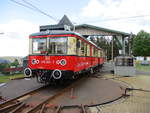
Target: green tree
[103,43]
[141,44]
[15,63]
[106,45]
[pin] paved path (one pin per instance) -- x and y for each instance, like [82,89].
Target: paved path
[15,88]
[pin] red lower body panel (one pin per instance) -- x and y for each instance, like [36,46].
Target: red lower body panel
[73,63]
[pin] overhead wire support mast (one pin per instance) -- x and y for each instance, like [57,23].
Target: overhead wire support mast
[31,6]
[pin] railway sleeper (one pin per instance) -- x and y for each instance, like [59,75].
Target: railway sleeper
[65,109]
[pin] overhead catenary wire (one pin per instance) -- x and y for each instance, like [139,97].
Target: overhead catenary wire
[119,18]
[40,10]
[29,5]
[22,4]
[33,7]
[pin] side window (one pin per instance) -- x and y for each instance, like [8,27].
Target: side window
[88,50]
[39,45]
[102,54]
[92,51]
[85,49]
[72,46]
[78,46]
[98,53]
[58,45]
[82,48]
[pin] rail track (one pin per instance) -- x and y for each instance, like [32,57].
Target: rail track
[8,105]
[37,101]
[41,101]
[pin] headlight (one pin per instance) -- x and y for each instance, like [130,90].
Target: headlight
[34,61]
[63,62]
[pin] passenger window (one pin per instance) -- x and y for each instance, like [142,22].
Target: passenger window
[78,43]
[72,48]
[82,48]
[96,53]
[92,51]
[99,53]
[39,46]
[85,49]
[78,46]
[88,50]
[58,45]
[102,54]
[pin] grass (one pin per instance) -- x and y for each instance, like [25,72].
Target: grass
[6,78]
[140,67]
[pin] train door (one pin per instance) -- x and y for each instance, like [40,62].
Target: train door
[72,48]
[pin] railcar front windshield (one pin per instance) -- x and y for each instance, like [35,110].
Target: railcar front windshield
[57,45]
[49,45]
[39,45]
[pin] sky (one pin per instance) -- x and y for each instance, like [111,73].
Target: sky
[18,22]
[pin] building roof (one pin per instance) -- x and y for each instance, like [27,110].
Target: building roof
[65,21]
[51,27]
[60,26]
[102,29]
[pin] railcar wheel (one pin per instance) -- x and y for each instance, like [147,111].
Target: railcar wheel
[99,69]
[39,80]
[91,71]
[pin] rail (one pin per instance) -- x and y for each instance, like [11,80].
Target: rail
[25,105]
[7,105]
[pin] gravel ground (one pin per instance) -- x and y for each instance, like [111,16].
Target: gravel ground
[138,102]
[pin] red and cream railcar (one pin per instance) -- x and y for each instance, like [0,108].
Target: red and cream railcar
[58,55]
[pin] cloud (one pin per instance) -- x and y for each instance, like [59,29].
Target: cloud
[97,10]
[18,27]
[115,8]
[89,10]
[14,40]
